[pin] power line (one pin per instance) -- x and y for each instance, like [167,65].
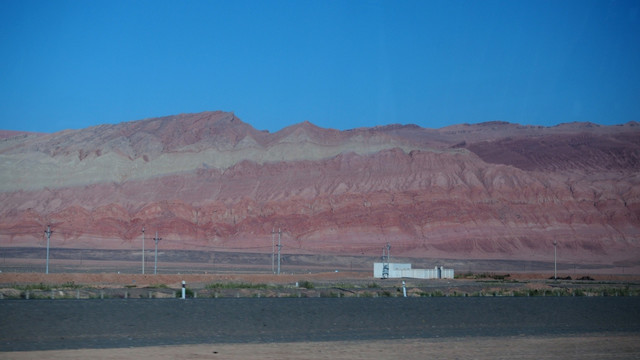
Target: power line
[193,243]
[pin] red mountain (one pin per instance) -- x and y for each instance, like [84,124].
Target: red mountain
[210,181]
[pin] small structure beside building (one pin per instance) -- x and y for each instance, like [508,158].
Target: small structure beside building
[386,270]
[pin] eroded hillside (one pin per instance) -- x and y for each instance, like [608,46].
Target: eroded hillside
[211,181]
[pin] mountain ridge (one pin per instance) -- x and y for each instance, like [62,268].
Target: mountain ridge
[491,190]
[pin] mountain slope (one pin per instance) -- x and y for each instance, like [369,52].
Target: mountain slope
[210,181]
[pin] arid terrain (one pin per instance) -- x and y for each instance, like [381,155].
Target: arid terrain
[520,347]
[212,183]
[297,282]
[231,280]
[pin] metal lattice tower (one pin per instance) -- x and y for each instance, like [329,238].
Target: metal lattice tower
[386,259]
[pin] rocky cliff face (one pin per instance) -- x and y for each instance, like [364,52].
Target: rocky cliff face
[209,181]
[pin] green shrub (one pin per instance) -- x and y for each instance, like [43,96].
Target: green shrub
[240,285]
[345,286]
[70,285]
[306,284]
[40,286]
[158,286]
[187,292]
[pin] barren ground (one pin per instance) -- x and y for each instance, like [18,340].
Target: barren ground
[584,348]
[354,276]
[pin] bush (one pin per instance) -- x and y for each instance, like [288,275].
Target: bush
[500,277]
[158,286]
[467,275]
[342,285]
[578,292]
[236,286]
[71,285]
[41,286]
[306,284]
[187,292]
[560,278]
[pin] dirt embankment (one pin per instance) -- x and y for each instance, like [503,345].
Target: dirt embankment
[334,284]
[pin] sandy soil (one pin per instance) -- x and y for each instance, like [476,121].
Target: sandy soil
[171,280]
[626,346]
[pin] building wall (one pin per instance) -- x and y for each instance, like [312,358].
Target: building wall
[400,270]
[394,269]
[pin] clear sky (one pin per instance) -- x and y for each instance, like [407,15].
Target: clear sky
[338,64]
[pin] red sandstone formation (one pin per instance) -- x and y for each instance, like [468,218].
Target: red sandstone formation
[209,181]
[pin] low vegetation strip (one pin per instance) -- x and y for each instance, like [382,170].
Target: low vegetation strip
[344,288]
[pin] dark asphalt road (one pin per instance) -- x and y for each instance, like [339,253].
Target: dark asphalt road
[72,324]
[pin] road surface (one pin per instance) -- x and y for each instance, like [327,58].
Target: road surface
[27,325]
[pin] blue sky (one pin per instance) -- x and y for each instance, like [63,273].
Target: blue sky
[338,64]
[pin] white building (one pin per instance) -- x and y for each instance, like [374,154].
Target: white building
[399,270]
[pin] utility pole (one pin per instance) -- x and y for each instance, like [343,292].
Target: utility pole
[555,263]
[279,247]
[155,265]
[273,251]
[48,233]
[143,250]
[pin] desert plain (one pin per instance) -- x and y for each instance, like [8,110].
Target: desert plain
[238,281]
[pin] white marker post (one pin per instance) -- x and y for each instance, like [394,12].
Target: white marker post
[184,294]
[404,289]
